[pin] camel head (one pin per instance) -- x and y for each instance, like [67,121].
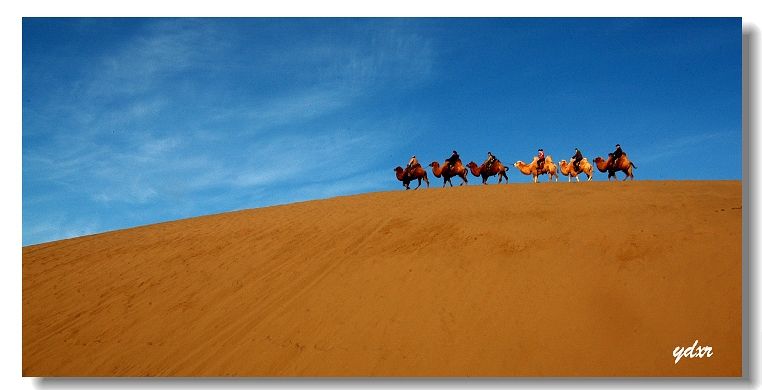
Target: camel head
[398,169]
[520,164]
[472,165]
[601,164]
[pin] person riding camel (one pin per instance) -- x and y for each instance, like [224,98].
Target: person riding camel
[413,162]
[540,159]
[488,162]
[453,159]
[411,165]
[577,158]
[616,155]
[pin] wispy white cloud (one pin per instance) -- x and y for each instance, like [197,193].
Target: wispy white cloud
[349,184]
[295,108]
[165,49]
[56,226]
[131,190]
[664,151]
[327,154]
[156,147]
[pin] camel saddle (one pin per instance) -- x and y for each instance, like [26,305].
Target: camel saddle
[407,172]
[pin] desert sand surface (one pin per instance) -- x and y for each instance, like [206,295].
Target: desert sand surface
[549,279]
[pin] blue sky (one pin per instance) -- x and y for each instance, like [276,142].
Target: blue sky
[128,122]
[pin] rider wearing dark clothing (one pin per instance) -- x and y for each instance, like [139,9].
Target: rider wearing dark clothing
[616,155]
[453,159]
[577,159]
[489,161]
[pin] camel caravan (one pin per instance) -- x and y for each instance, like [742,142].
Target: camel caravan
[540,165]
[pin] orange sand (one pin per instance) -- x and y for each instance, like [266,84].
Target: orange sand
[549,279]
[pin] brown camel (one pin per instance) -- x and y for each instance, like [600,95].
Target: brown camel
[416,172]
[497,168]
[584,167]
[623,164]
[531,169]
[448,172]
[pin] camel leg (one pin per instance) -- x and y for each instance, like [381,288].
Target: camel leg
[426,179]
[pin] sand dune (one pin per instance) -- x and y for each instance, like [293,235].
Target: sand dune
[559,279]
